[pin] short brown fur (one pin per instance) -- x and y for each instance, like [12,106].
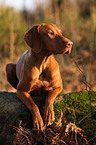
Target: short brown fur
[40,70]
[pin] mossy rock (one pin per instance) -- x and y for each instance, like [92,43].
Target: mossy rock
[12,109]
[83,103]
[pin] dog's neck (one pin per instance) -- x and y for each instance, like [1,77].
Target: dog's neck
[41,55]
[38,58]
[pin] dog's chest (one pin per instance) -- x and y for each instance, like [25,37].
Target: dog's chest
[45,72]
[43,76]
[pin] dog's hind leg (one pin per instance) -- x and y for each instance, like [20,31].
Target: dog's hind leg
[11,74]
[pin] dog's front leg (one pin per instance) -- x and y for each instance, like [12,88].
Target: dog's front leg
[48,111]
[28,101]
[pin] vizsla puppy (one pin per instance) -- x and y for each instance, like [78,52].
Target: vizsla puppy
[38,71]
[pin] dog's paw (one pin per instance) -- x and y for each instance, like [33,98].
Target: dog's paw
[49,114]
[38,123]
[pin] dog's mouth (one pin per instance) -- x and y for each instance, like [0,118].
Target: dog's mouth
[68,47]
[67,52]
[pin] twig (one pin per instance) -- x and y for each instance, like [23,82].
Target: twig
[16,128]
[76,138]
[83,118]
[74,123]
[61,141]
[85,81]
[91,139]
[74,115]
[44,132]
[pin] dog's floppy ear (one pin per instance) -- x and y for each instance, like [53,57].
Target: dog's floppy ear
[32,39]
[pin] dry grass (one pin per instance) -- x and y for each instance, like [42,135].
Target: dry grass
[58,133]
[73,79]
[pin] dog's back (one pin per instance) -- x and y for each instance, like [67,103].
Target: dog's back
[19,64]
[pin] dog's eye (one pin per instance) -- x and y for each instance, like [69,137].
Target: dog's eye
[51,33]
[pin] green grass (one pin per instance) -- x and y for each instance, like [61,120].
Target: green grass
[83,103]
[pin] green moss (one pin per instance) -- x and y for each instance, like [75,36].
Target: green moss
[84,103]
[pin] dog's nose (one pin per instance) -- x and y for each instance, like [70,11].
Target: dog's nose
[69,44]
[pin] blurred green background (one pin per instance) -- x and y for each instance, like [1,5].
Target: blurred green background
[76,19]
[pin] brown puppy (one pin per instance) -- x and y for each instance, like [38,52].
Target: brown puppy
[38,70]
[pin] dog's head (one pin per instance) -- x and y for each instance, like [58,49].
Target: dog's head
[49,37]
